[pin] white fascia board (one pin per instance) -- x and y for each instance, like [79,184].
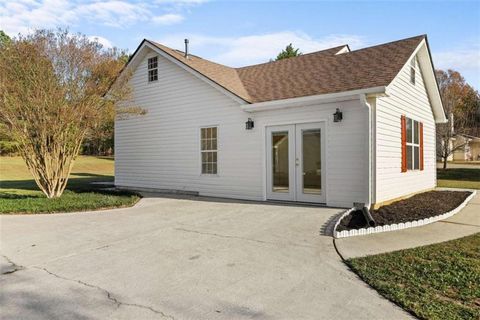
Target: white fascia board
[430,80]
[195,73]
[309,100]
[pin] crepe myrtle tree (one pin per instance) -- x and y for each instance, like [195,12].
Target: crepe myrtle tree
[55,88]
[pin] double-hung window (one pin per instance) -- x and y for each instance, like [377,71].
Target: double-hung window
[152,69]
[412,144]
[208,149]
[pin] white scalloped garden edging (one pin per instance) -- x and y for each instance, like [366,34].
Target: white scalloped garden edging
[399,226]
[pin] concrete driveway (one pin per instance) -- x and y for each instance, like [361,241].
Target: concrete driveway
[171,258]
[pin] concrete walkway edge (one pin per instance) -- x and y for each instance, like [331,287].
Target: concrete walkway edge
[463,223]
[401,225]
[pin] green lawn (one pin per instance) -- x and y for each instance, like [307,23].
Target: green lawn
[440,281]
[459,178]
[19,193]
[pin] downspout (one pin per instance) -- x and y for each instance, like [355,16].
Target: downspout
[371,152]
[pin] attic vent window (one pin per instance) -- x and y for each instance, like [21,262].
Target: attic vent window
[412,71]
[152,69]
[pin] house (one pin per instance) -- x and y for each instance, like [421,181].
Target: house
[464,146]
[468,148]
[335,127]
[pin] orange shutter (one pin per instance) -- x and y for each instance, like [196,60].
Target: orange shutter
[421,146]
[404,143]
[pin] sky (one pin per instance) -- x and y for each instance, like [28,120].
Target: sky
[239,33]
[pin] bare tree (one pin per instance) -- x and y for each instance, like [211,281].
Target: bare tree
[457,101]
[53,87]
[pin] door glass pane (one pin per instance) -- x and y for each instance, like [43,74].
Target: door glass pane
[280,161]
[312,164]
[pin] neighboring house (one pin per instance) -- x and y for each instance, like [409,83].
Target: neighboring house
[268,131]
[469,149]
[461,146]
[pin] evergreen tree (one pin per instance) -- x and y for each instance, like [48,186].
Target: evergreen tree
[4,38]
[288,52]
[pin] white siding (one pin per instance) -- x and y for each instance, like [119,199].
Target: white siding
[412,101]
[346,146]
[161,149]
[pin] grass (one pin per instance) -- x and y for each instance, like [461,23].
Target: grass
[475,162]
[440,281]
[468,178]
[19,193]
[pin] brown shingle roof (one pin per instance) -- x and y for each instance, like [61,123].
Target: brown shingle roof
[309,74]
[224,76]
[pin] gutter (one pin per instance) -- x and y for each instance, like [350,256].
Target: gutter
[371,151]
[302,101]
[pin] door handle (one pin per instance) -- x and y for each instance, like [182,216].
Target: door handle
[297,162]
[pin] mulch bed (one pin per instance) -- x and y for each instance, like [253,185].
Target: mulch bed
[420,206]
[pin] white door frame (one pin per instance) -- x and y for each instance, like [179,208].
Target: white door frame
[290,195]
[300,196]
[295,151]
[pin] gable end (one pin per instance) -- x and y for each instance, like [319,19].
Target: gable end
[425,69]
[140,52]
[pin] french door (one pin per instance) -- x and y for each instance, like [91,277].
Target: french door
[295,162]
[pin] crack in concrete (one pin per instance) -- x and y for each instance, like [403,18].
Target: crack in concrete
[240,238]
[460,223]
[107,245]
[102,247]
[109,295]
[15,266]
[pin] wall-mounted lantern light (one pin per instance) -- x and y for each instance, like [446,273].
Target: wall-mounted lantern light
[337,116]
[249,124]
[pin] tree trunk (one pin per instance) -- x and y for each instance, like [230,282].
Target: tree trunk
[51,176]
[51,169]
[445,162]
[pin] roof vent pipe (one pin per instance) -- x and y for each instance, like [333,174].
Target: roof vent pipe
[186,48]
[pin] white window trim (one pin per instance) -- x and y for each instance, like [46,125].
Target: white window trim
[413,144]
[150,69]
[200,151]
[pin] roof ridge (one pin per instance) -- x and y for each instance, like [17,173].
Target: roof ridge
[180,52]
[318,73]
[299,56]
[251,65]
[388,43]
